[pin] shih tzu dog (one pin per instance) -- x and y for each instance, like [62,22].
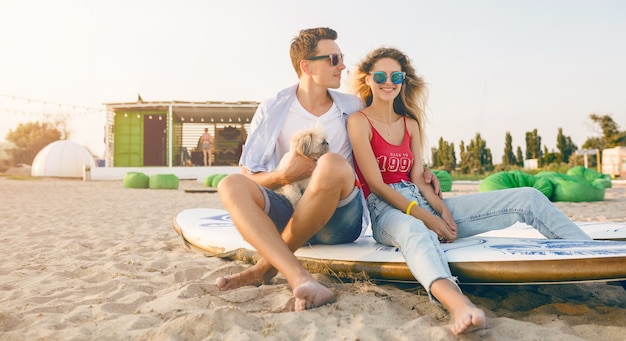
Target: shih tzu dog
[310,143]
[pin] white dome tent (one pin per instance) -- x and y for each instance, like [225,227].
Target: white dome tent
[62,159]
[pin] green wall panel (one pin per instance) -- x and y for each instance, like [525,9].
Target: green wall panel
[128,140]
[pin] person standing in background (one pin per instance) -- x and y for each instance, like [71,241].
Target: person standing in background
[206,146]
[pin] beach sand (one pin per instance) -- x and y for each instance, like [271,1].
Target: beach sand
[96,261]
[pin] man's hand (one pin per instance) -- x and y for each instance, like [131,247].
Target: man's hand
[296,167]
[431,178]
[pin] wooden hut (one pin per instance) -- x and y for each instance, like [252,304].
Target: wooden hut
[154,134]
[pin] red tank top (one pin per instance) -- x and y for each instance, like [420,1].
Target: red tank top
[394,161]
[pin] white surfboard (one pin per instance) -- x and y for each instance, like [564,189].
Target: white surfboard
[475,260]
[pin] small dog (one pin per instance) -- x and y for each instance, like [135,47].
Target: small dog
[310,143]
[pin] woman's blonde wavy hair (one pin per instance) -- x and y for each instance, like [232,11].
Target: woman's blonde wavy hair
[411,102]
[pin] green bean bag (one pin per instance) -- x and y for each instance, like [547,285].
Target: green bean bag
[135,180]
[514,179]
[573,189]
[591,175]
[209,180]
[214,179]
[163,181]
[445,179]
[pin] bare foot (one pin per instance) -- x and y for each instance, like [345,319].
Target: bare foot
[252,276]
[469,320]
[310,295]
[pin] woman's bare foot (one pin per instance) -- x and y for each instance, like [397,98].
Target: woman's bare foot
[468,320]
[465,315]
[311,294]
[252,276]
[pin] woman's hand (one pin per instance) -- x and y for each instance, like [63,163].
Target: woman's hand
[452,229]
[444,227]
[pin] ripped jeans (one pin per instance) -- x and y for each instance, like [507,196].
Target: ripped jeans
[473,213]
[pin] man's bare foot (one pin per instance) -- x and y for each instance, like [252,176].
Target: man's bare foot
[310,295]
[249,277]
[469,320]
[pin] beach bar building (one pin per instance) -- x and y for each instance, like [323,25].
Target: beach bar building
[167,134]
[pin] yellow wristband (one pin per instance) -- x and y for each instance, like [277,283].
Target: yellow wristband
[408,209]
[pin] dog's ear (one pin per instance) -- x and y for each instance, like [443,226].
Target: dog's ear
[305,145]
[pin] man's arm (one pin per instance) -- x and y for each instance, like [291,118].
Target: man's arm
[295,167]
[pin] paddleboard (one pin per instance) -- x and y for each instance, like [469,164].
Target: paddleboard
[474,260]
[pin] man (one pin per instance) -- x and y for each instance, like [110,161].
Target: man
[331,208]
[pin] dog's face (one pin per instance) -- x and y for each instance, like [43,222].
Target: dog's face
[310,142]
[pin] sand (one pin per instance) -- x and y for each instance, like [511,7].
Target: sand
[96,261]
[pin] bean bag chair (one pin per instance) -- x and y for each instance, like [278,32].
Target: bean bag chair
[214,179]
[591,175]
[136,180]
[573,189]
[514,179]
[163,181]
[209,180]
[445,179]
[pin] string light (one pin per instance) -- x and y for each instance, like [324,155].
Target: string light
[39,108]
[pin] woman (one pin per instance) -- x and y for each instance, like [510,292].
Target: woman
[387,140]
[206,146]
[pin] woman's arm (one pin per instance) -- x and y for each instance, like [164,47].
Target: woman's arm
[449,231]
[360,132]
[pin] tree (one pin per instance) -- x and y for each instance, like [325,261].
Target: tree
[520,157]
[29,138]
[477,157]
[533,145]
[611,135]
[565,146]
[444,156]
[550,157]
[509,157]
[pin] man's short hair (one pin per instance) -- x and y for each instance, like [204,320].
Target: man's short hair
[303,46]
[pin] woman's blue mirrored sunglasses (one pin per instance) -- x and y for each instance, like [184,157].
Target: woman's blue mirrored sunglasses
[397,77]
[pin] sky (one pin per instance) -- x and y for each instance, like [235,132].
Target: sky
[492,66]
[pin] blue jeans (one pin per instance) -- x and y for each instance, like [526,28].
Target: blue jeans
[344,226]
[473,213]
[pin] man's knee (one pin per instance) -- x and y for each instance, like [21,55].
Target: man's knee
[234,184]
[333,169]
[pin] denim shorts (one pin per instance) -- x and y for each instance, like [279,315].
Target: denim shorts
[344,225]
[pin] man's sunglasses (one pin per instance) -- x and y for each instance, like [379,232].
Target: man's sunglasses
[334,58]
[397,77]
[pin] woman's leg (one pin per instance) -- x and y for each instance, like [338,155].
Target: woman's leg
[465,315]
[487,211]
[426,261]
[418,244]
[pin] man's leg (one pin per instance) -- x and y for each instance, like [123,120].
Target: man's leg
[332,180]
[243,200]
